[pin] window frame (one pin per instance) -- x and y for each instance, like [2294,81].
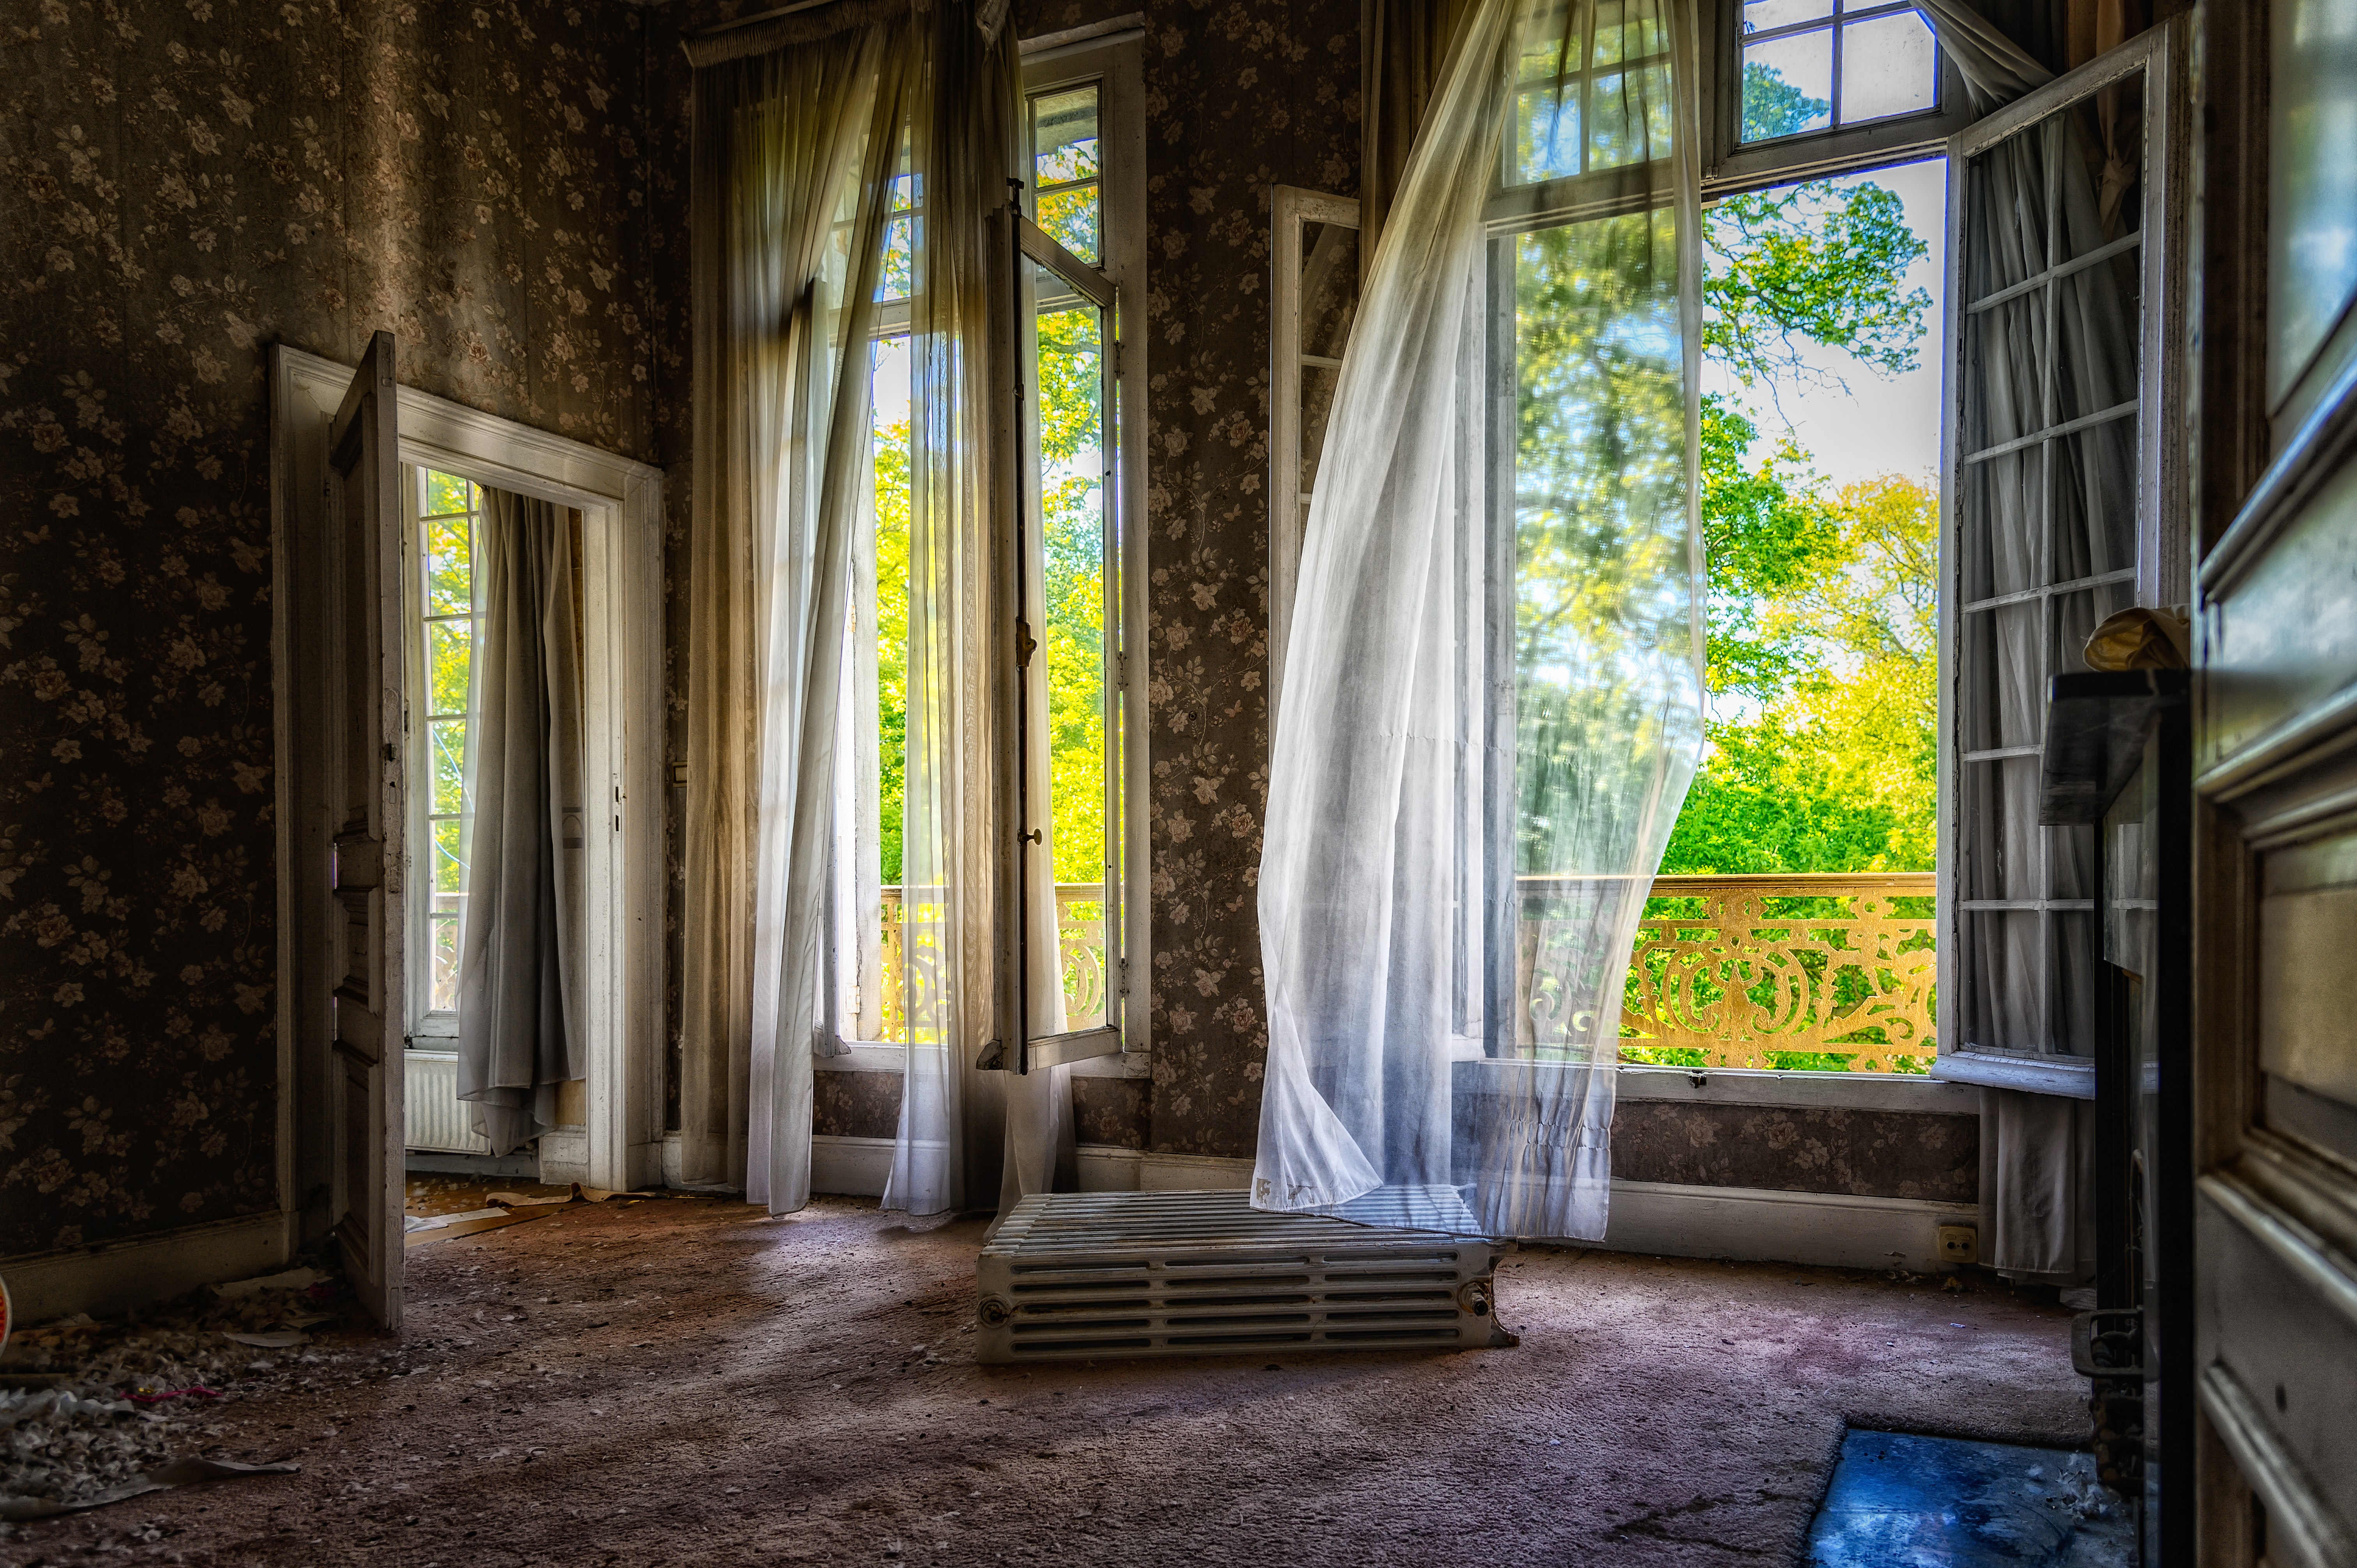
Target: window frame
[1109,54]
[431,1027]
[1730,165]
[2163,559]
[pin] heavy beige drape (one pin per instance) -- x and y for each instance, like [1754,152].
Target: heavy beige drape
[793,162]
[520,946]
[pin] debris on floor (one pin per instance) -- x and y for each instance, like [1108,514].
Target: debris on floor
[92,1412]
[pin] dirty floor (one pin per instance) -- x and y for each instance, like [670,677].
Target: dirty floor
[690,1381]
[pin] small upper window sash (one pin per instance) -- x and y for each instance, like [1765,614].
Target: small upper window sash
[1808,69]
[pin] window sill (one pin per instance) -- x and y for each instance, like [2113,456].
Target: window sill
[2072,1077]
[1797,1090]
[873,1056]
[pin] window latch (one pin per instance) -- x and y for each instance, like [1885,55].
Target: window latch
[1031,837]
[1025,644]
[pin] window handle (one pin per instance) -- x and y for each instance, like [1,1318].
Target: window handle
[1031,837]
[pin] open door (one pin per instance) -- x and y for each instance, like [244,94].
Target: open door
[366,720]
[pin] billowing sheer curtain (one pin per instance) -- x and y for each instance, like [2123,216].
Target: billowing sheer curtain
[953,1116]
[792,165]
[1494,680]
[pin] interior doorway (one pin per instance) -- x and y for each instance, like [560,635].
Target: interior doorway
[349,655]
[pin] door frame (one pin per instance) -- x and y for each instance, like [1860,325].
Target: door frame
[621,503]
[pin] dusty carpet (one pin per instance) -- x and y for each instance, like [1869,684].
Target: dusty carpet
[688,1381]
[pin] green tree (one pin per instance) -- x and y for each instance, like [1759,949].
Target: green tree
[1774,107]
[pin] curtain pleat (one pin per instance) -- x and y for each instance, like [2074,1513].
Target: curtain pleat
[793,162]
[948,1148]
[520,940]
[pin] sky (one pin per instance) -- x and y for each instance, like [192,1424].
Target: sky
[1883,424]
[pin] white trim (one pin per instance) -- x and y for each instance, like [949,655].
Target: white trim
[1799,1091]
[2073,1076]
[621,503]
[115,1278]
[884,1056]
[1111,54]
[1823,1229]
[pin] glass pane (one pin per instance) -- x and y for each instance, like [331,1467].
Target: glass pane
[2073,933]
[1317,385]
[2005,372]
[2003,967]
[449,564]
[2001,694]
[449,860]
[1788,85]
[1547,132]
[1065,167]
[1621,37]
[888,391]
[1762,16]
[2096,324]
[449,752]
[2311,182]
[1628,118]
[894,280]
[2006,210]
[2094,487]
[1071,586]
[1888,67]
[1329,287]
[450,654]
[445,493]
[445,963]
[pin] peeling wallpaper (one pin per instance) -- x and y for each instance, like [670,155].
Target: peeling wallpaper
[180,184]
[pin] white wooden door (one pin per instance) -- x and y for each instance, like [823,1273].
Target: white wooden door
[367,721]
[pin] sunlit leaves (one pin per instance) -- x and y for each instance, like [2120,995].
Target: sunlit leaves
[1811,263]
[1774,107]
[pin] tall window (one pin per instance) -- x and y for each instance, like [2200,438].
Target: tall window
[1075,534]
[449,628]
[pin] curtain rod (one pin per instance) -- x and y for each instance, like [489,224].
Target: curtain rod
[770,16]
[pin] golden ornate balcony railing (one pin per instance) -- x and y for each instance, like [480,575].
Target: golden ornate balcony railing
[1823,972]
[1080,928]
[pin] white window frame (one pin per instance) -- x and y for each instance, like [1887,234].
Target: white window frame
[430,1028]
[1109,53]
[621,500]
[2163,561]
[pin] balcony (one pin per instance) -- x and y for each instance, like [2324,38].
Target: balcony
[1806,972]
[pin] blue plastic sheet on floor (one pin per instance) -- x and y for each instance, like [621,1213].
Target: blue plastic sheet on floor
[1903,1501]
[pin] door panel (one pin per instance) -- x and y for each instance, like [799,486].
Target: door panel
[365,736]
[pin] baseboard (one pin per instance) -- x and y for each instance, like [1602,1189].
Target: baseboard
[524,1167]
[1757,1225]
[115,1278]
[1754,1224]
[565,1155]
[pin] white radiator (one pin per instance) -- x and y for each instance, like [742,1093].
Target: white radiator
[432,1116]
[1109,1275]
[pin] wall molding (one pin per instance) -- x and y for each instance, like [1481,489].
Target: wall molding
[1827,1229]
[121,1275]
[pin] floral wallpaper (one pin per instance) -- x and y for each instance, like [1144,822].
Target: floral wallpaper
[183,184]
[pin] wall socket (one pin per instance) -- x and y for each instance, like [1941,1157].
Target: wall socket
[1959,1245]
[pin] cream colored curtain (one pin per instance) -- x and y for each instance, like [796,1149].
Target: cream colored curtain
[792,160]
[519,944]
[953,1114]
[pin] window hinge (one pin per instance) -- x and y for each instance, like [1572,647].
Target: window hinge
[1024,645]
[1124,977]
[1116,358]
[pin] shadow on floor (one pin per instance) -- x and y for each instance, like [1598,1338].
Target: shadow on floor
[1903,1501]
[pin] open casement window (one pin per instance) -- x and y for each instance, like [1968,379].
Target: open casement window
[2061,508]
[1314,293]
[1076,565]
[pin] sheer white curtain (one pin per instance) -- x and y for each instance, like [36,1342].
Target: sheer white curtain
[1494,680]
[953,1114]
[793,157]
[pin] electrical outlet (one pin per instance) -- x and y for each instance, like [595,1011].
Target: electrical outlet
[1959,1245]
